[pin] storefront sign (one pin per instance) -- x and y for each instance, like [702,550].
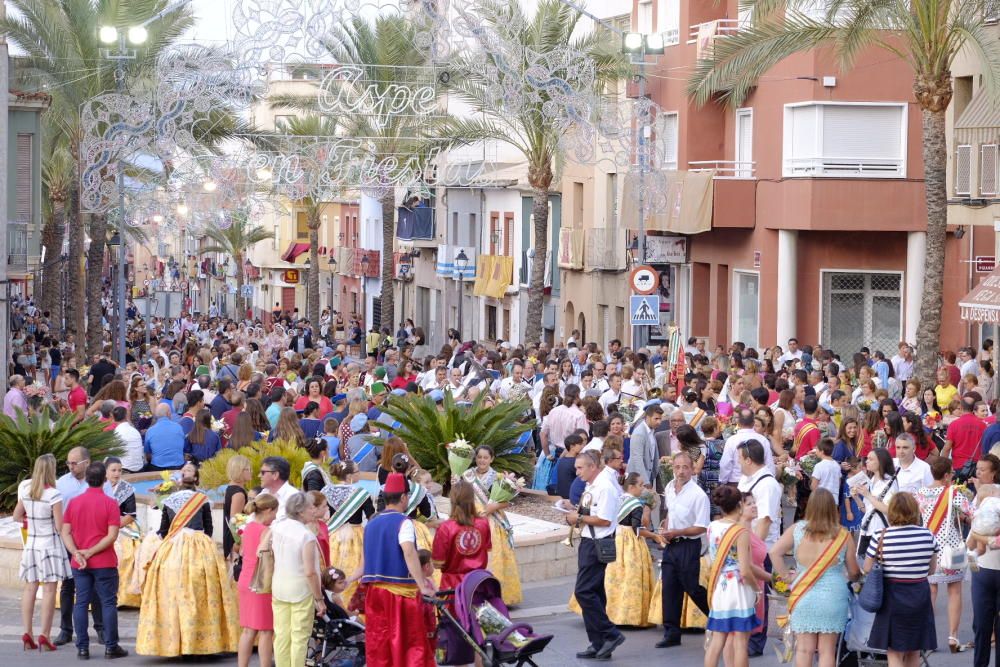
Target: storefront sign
[985,263]
[986,315]
[982,304]
[290,276]
[666,250]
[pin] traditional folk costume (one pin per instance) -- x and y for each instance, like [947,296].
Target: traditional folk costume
[189,604]
[349,506]
[628,582]
[398,630]
[503,562]
[127,544]
[691,616]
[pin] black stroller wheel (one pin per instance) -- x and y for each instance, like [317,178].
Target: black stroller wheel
[348,655]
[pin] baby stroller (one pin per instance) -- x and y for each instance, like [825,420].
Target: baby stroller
[336,640]
[853,650]
[478,622]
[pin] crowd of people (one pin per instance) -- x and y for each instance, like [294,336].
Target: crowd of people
[655,452]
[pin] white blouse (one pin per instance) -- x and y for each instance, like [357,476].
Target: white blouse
[288,539]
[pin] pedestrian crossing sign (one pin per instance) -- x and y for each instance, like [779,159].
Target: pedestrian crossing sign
[645,309]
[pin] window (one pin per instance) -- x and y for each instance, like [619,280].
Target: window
[25,160]
[988,170]
[644,24]
[861,309]
[508,229]
[746,307]
[495,239]
[668,126]
[301,226]
[668,21]
[963,170]
[744,145]
[845,140]
[578,204]
[612,199]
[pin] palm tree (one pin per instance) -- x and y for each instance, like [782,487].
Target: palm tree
[235,241]
[314,127]
[58,174]
[529,129]
[927,34]
[63,52]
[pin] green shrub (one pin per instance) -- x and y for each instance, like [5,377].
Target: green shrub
[213,471]
[426,430]
[23,440]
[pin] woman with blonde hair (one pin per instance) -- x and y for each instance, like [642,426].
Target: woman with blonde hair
[243,377]
[239,472]
[349,505]
[43,559]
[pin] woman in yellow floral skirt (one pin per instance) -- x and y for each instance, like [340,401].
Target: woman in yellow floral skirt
[349,506]
[127,543]
[628,582]
[503,563]
[189,604]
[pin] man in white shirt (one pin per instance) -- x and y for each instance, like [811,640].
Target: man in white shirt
[970,365]
[913,474]
[793,353]
[516,379]
[729,465]
[596,519]
[133,457]
[601,382]
[688,517]
[902,363]
[613,393]
[274,474]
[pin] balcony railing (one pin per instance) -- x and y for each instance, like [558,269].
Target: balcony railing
[857,167]
[723,28]
[671,36]
[17,245]
[725,168]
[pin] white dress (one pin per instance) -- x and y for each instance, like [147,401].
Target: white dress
[44,557]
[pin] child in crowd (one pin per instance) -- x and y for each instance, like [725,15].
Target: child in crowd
[850,512]
[826,474]
[334,584]
[565,465]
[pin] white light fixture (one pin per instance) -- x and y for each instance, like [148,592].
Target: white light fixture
[209,186]
[137,35]
[182,209]
[633,42]
[157,218]
[654,42]
[108,34]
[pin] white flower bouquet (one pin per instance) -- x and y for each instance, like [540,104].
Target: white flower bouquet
[460,455]
[218,425]
[506,488]
[492,622]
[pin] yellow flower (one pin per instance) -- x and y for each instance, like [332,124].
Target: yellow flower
[165,475]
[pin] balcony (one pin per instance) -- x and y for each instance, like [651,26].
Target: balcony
[415,224]
[705,33]
[725,169]
[17,246]
[604,249]
[845,167]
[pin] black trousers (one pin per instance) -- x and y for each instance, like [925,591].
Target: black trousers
[679,573]
[591,596]
[67,598]
[985,615]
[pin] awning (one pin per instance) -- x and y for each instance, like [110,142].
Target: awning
[982,304]
[983,111]
[294,250]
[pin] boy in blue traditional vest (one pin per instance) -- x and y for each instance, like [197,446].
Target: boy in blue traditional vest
[396,632]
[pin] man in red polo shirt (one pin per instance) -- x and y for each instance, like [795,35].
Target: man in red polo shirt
[964,435]
[90,528]
[77,397]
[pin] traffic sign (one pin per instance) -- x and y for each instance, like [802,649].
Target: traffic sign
[248,290]
[146,282]
[644,309]
[643,280]
[184,284]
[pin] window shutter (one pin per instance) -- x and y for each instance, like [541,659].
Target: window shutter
[988,170]
[669,125]
[645,17]
[867,132]
[963,170]
[803,133]
[24,173]
[744,143]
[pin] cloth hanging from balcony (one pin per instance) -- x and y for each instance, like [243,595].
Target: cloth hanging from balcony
[494,274]
[707,33]
[294,250]
[571,248]
[415,223]
[683,206]
[604,249]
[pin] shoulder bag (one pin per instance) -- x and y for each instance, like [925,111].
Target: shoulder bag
[605,547]
[263,572]
[953,558]
[865,540]
[870,597]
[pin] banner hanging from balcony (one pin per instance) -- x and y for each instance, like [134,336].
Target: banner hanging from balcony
[688,207]
[571,243]
[493,276]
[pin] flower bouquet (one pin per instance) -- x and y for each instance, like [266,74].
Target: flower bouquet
[492,622]
[807,463]
[780,586]
[165,487]
[880,440]
[666,471]
[236,524]
[865,404]
[460,455]
[218,425]
[506,488]
[931,420]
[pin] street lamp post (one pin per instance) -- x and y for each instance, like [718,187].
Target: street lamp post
[461,262]
[117,253]
[333,270]
[364,292]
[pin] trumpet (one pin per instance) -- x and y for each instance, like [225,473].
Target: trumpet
[569,538]
[655,392]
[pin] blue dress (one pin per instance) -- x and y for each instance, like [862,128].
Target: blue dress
[824,607]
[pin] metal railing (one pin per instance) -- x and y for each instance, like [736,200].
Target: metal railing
[671,36]
[723,28]
[725,169]
[17,245]
[858,167]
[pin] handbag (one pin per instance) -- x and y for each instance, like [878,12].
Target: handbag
[954,558]
[263,571]
[870,597]
[865,540]
[605,547]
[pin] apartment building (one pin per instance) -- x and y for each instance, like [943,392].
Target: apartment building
[818,221]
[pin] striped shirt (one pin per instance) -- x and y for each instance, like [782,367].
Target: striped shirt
[907,552]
